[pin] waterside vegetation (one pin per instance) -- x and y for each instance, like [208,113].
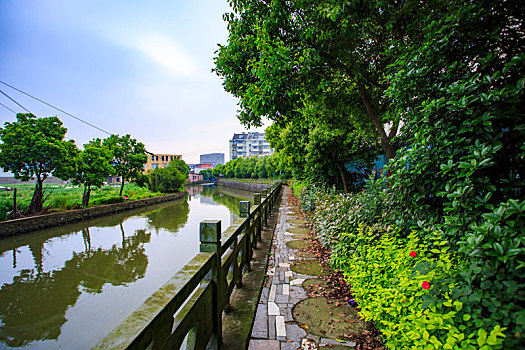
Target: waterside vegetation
[433,248]
[35,148]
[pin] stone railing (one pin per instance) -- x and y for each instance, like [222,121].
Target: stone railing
[188,308]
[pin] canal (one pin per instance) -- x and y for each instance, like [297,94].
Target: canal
[68,286]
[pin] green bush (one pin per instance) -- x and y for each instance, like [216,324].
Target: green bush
[374,255]
[297,187]
[412,299]
[171,178]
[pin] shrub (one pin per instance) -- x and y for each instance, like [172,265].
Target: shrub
[407,287]
[387,281]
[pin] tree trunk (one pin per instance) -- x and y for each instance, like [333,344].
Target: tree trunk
[343,178]
[385,140]
[122,186]
[15,207]
[340,169]
[36,202]
[87,194]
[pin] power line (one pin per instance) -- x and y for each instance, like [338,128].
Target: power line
[6,95]
[50,105]
[3,105]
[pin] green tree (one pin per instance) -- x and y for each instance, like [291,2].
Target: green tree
[273,166]
[240,168]
[171,178]
[249,167]
[129,157]
[93,166]
[35,147]
[260,168]
[218,170]
[181,166]
[331,150]
[283,55]
[229,168]
[206,174]
[143,180]
[290,142]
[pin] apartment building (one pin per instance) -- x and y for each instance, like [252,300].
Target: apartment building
[249,144]
[159,160]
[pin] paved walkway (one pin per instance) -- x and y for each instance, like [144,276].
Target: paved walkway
[274,327]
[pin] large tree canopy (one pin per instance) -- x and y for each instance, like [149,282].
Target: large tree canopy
[282,55]
[35,147]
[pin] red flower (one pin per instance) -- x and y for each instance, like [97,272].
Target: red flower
[413,254]
[425,285]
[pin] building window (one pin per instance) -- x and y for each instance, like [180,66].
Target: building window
[152,157]
[157,158]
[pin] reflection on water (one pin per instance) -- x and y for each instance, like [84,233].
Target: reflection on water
[69,286]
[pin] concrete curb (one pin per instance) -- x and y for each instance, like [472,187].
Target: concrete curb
[17,226]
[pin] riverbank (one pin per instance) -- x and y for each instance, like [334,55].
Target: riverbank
[246,186]
[21,225]
[17,226]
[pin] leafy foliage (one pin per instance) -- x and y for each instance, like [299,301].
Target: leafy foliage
[170,178]
[207,174]
[93,167]
[35,147]
[249,168]
[459,181]
[129,157]
[287,59]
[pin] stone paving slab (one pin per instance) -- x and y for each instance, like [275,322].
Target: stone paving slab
[274,326]
[257,344]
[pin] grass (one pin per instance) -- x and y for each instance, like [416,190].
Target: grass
[66,197]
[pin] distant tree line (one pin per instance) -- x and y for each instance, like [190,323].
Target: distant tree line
[248,168]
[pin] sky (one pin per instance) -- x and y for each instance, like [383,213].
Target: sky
[129,67]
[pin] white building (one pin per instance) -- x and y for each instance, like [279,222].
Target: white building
[248,145]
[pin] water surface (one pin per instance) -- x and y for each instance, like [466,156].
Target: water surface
[70,285]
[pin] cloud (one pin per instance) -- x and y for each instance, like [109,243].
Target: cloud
[165,52]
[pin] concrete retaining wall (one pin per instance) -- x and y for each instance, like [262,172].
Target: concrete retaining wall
[14,227]
[246,186]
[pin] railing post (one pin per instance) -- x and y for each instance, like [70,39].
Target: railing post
[265,206]
[270,194]
[257,202]
[244,209]
[210,238]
